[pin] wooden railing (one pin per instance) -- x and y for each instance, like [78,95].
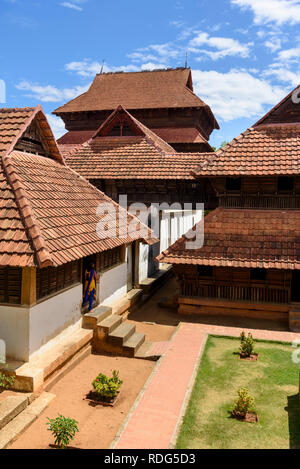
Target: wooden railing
[264,294]
[259,201]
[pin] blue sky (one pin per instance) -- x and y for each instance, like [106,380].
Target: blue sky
[244,53]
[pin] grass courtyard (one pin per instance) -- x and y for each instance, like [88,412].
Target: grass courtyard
[274,383]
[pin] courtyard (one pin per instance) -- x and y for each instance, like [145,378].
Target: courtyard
[273,381]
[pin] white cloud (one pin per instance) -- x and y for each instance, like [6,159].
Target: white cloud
[274,44]
[74,5]
[224,46]
[236,94]
[89,68]
[289,55]
[152,66]
[277,11]
[57,125]
[283,75]
[49,93]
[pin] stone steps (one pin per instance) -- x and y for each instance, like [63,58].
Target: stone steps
[90,320]
[109,324]
[121,334]
[115,336]
[24,419]
[11,407]
[134,343]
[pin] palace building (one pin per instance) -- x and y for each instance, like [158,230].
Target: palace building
[162,100]
[49,233]
[124,157]
[249,264]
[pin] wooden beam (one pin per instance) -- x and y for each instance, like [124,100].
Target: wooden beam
[28,295]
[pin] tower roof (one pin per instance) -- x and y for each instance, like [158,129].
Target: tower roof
[158,89]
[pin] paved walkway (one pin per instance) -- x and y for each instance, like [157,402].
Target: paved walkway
[156,416]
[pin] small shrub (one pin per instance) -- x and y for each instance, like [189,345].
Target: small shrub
[63,429]
[243,404]
[107,388]
[247,345]
[6,382]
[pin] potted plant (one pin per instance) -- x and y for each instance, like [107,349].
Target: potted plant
[106,390]
[6,381]
[63,430]
[246,351]
[243,407]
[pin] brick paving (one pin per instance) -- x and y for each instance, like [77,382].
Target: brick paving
[158,349]
[155,418]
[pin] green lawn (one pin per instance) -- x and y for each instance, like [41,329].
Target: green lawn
[272,380]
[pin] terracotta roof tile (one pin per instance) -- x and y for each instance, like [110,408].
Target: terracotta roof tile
[131,158]
[141,90]
[141,156]
[260,151]
[243,238]
[180,134]
[75,137]
[48,213]
[62,221]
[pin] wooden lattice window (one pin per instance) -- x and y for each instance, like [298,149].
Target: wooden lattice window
[55,279]
[10,285]
[108,259]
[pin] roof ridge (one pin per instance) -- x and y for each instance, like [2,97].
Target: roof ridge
[35,114]
[32,229]
[119,72]
[149,134]
[221,151]
[24,126]
[262,119]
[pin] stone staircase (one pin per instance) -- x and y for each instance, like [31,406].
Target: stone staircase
[294,318]
[111,334]
[18,412]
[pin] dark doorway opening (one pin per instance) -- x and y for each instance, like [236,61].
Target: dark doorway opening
[87,261]
[296,286]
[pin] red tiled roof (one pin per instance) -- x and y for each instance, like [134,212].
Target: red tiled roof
[131,158]
[75,137]
[138,90]
[48,213]
[180,135]
[260,151]
[243,238]
[14,122]
[59,209]
[141,156]
[281,104]
[121,116]
[69,149]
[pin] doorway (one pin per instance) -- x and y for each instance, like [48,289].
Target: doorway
[87,261]
[296,286]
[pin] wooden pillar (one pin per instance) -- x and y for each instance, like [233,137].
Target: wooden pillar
[136,267]
[123,253]
[28,295]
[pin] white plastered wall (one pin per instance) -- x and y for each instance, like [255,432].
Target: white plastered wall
[28,332]
[112,285]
